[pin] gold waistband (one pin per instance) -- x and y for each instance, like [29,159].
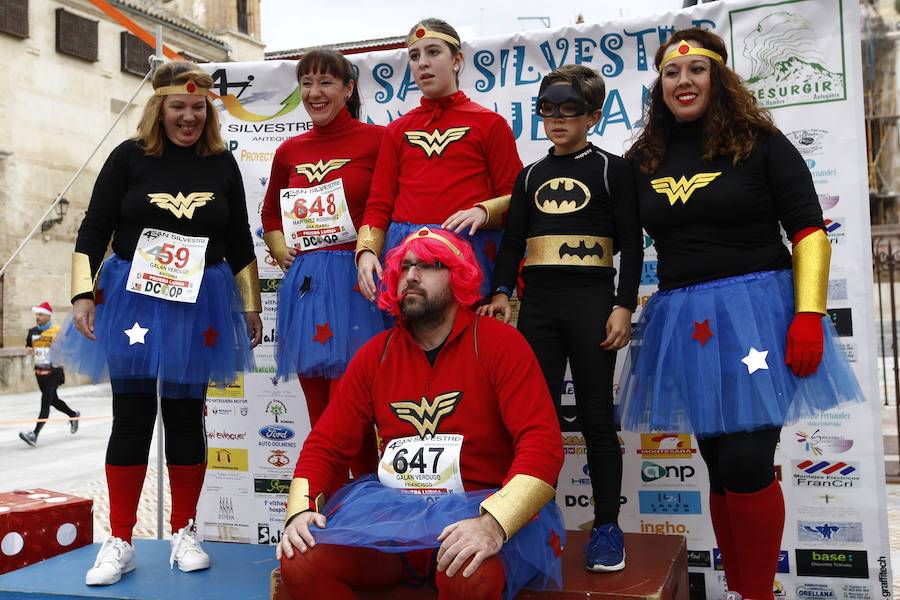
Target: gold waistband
[570,250]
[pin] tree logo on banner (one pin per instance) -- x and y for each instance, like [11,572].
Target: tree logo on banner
[784,58]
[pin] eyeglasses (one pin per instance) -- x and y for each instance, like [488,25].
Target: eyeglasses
[422,266]
[566,109]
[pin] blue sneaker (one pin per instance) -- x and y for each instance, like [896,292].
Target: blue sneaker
[606,550]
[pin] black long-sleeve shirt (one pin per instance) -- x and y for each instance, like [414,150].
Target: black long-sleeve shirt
[609,209]
[712,219]
[121,203]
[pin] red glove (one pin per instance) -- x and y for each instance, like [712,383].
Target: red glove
[805,342]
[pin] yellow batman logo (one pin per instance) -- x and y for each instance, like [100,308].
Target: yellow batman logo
[683,188]
[425,416]
[435,142]
[561,195]
[316,172]
[180,205]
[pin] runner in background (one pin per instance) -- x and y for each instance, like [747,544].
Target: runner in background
[49,376]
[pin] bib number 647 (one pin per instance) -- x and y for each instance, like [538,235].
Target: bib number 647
[402,465]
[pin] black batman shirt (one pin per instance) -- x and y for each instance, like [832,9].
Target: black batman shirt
[178,192]
[593,195]
[711,220]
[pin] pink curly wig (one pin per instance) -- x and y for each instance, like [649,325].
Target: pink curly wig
[465,276]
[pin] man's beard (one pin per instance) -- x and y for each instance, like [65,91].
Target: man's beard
[425,311]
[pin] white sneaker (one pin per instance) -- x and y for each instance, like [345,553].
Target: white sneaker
[116,557]
[186,550]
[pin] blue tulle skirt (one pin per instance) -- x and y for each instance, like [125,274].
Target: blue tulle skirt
[368,514]
[672,382]
[485,243]
[327,298]
[175,349]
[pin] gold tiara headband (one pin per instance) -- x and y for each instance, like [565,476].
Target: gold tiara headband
[422,32]
[685,49]
[190,87]
[426,233]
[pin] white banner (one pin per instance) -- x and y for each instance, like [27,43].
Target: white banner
[801,59]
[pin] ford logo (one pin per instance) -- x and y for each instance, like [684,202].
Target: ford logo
[276,432]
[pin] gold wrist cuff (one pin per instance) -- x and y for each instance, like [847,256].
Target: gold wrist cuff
[369,238]
[299,499]
[569,251]
[517,502]
[82,282]
[496,209]
[277,245]
[248,284]
[811,258]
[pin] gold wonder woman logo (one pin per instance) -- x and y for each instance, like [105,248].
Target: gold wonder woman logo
[683,188]
[181,205]
[435,142]
[316,172]
[425,416]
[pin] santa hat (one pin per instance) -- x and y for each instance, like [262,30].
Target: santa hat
[42,309]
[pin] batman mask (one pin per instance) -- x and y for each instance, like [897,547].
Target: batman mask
[561,100]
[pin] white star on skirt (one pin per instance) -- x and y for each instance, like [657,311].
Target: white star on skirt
[755,360]
[136,334]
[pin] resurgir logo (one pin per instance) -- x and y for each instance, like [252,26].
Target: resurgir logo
[791,53]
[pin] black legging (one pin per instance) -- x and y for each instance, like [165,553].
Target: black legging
[49,397]
[569,323]
[134,415]
[742,462]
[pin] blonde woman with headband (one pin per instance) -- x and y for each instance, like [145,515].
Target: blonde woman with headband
[174,307]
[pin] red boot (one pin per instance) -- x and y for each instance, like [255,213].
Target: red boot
[718,512]
[124,484]
[757,523]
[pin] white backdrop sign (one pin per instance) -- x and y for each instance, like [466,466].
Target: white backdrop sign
[801,59]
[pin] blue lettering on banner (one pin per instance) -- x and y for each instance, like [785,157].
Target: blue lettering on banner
[669,502]
[648,273]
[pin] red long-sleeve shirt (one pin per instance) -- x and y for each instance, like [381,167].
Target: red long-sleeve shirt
[344,138]
[505,412]
[441,157]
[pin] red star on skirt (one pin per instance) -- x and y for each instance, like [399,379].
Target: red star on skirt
[490,250]
[702,332]
[323,333]
[554,543]
[98,297]
[209,337]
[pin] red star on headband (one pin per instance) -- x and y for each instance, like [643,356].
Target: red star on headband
[190,87]
[420,32]
[209,337]
[98,297]
[702,332]
[323,333]
[683,48]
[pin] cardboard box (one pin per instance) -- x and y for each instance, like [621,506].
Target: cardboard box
[37,524]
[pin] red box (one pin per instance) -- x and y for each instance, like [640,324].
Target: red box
[37,524]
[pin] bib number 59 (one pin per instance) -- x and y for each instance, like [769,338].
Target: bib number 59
[180,257]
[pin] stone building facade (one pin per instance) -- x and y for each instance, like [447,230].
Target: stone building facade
[67,70]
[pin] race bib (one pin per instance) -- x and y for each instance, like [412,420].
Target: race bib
[167,265]
[41,355]
[428,467]
[316,217]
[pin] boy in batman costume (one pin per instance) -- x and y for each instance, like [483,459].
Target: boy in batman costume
[572,210]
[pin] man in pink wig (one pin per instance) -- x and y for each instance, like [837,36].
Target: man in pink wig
[470,449]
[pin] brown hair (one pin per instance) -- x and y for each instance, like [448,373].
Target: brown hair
[732,120]
[440,26]
[335,64]
[150,131]
[592,85]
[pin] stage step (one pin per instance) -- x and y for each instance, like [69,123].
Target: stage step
[655,569]
[236,571]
